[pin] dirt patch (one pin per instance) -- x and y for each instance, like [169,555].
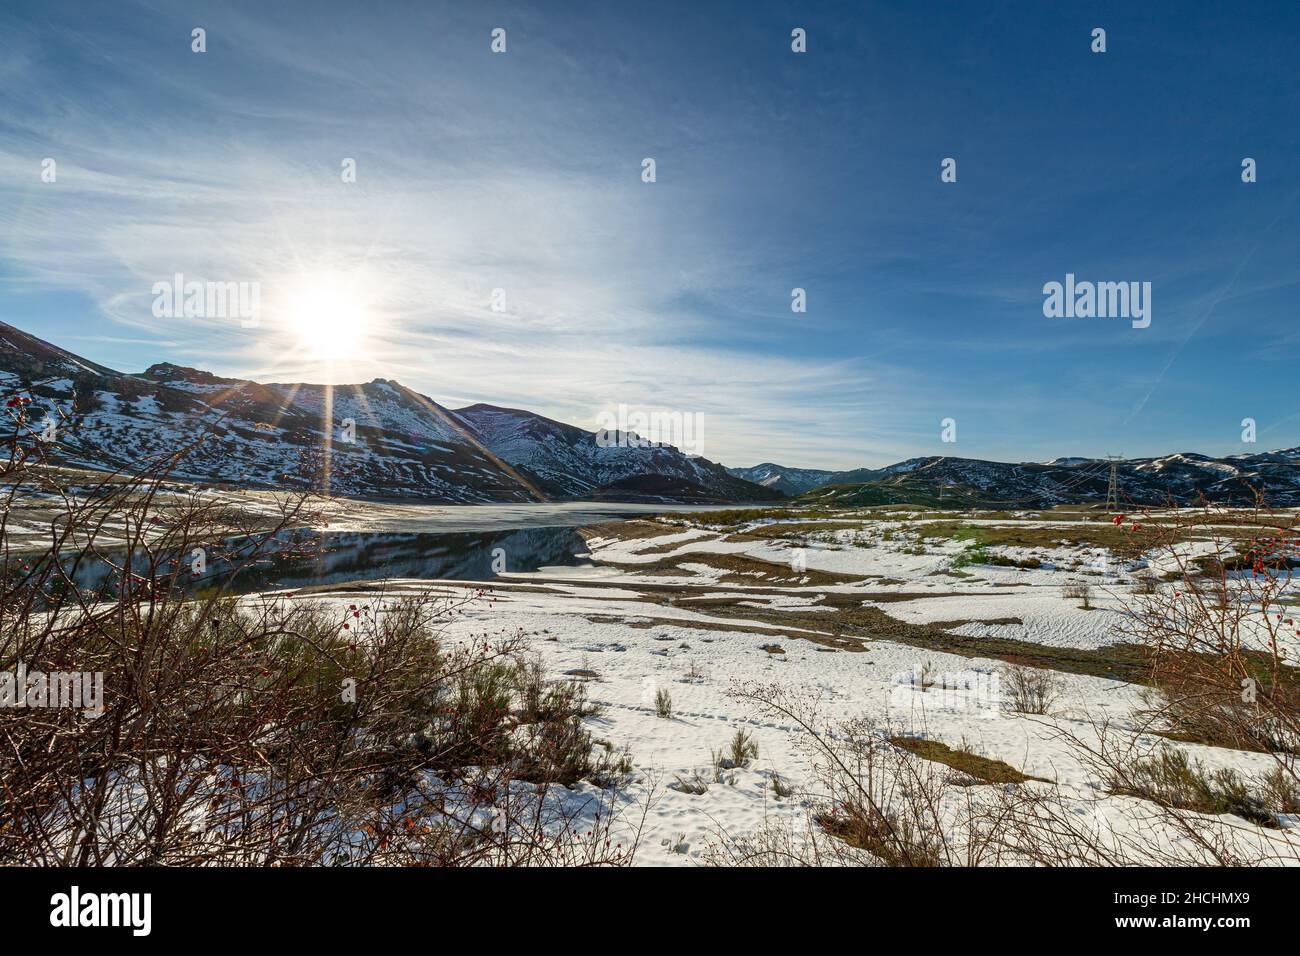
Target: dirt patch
[643,623]
[797,529]
[983,769]
[845,626]
[743,569]
[1101,534]
[895,597]
[630,529]
[670,545]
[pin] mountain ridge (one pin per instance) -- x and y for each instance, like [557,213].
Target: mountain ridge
[375,439]
[1180,477]
[384,439]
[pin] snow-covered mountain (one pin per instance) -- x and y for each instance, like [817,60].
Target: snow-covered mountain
[375,439]
[566,461]
[790,481]
[1181,478]
[795,481]
[384,439]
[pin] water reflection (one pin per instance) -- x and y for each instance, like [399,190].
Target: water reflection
[305,559]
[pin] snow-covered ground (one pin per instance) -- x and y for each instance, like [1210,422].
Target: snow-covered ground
[640,630]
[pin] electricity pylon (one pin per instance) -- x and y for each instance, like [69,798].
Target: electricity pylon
[1112,488]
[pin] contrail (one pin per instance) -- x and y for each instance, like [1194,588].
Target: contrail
[1196,328]
[1205,318]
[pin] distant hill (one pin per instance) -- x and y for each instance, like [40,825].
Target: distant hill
[795,481]
[967,482]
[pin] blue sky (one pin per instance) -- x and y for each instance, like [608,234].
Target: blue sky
[522,171]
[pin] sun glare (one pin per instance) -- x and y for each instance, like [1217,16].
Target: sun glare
[329,317]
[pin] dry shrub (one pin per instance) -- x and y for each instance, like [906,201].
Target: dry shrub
[1183,814]
[1146,582]
[1171,779]
[739,751]
[1079,592]
[663,704]
[1030,690]
[875,803]
[1217,639]
[872,803]
[269,731]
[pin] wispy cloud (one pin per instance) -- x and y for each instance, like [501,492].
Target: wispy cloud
[521,173]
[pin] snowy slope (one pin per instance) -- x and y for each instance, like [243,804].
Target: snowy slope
[374,439]
[568,461]
[246,433]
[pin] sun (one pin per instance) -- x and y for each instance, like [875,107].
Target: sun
[329,316]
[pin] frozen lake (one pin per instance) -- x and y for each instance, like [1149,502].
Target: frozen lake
[367,516]
[367,541]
